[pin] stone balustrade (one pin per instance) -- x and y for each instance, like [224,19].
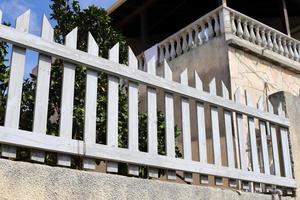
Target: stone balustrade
[262,35]
[193,35]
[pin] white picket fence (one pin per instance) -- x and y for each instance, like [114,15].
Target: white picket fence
[234,112]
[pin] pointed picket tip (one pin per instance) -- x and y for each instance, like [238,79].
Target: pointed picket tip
[225,92]
[184,77]
[212,87]
[132,60]
[71,39]
[167,71]
[260,103]
[249,101]
[114,53]
[237,95]
[198,81]
[270,107]
[1,16]
[47,30]
[93,48]
[22,22]
[151,65]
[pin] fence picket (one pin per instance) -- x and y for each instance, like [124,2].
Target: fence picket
[186,126]
[12,114]
[169,118]
[90,113]
[215,131]
[112,109]
[285,146]
[133,115]
[274,143]
[42,91]
[201,129]
[67,99]
[263,137]
[152,118]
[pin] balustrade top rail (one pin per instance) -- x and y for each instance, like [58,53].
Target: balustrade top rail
[256,168]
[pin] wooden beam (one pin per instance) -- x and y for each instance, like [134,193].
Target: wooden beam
[285,18]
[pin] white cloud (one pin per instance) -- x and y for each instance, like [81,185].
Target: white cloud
[13,8]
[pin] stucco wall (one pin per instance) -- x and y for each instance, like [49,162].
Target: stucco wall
[26,181]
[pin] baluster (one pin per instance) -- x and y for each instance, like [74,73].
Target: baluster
[285,146]
[201,129]
[178,46]
[233,26]
[229,135]
[172,53]
[170,122]
[215,132]
[152,118]
[252,34]
[14,95]
[286,50]
[42,91]
[210,31]
[281,49]
[184,43]
[161,54]
[67,99]
[246,34]
[217,25]
[258,37]
[291,53]
[167,52]
[264,42]
[186,126]
[241,140]
[196,41]
[113,110]
[201,35]
[133,115]
[190,38]
[274,142]
[90,113]
[296,53]
[275,46]
[269,41]
[263,137]
[240,31]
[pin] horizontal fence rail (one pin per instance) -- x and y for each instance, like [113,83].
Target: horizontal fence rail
[210,110]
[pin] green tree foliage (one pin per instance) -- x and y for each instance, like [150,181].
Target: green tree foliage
[68,15]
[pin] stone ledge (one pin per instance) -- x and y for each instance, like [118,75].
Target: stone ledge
[24,181]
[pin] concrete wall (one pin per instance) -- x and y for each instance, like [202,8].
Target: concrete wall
[26,181]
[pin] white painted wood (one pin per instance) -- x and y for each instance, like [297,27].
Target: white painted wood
[274,143]
[1,16]
[113,109]
[169,118]
[215,127]
[228,130]
[42,91]
[67,99]
[22,138]
[90,113]
[287,165]
[240,133]
[81,58]
[263,137]
[133,115]
[152,118]
[186,126]
[251,129]
[12,114]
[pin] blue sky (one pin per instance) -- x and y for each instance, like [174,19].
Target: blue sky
[13,8]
